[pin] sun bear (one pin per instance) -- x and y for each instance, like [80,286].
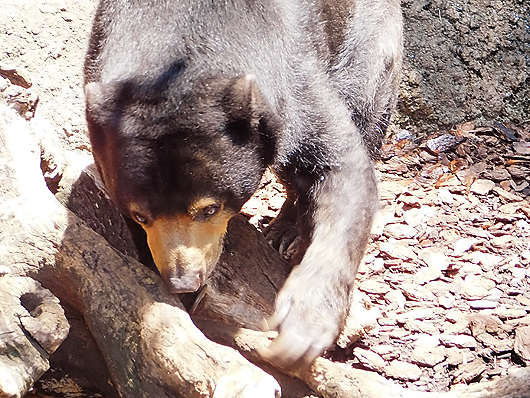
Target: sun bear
[189,101]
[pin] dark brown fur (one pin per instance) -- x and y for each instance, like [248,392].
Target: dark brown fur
[188,101]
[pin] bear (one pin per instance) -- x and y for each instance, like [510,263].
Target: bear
[189,101]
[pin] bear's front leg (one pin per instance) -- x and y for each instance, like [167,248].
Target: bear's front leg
[312,305]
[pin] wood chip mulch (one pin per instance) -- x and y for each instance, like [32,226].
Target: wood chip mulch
[443,296]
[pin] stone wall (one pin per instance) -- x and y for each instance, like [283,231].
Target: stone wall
[465,60]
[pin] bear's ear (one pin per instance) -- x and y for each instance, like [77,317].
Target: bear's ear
[242,97]
[246,109]
[99,102]
[100,111]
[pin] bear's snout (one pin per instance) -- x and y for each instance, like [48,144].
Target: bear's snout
[186,251]
[184,284]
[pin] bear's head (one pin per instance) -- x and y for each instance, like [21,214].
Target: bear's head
[181,158]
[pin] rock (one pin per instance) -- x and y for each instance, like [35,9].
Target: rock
[438,287]
[460,341]
[525,254]
[521,147]
[400,267]
[487,260]
[396,299]
[403,371]
[418,217]
[510,313]
[518,274]
[498,174]
[399,333]
[478,232]
[482,187]
[435,259]
[21,100]
[482,323]
[386,351]
[522,225]
[466,268]
[476,287]
[498,345]
[518,187]
[509,210]
[446,79]
[427,356]
[16,76]
[507,132]
[522,343]
[417,314]
[450,235]
[447,301]
[426,340]
[503,241]
[374,286]
[417,293]
[457,328]
[369,359]
[519,172]
[442,143]
[506,185]
[523,300]
[389,319]
[389,190]
[3,84]
[383,217]
[511,197]
[456,356]
[452,182]
[409,199]
[445,196]
[463,245]
[377,266]
[399,231]
[393,249]
[422,327]
[482,304]
[427,274]
[468,371]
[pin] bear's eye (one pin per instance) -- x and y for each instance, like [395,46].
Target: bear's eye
[207,212]
[139,218]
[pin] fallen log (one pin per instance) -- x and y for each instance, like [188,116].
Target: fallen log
[32,326]
[335,380]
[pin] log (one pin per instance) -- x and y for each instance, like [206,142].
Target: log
[335,380]
[149,342]
[32,326]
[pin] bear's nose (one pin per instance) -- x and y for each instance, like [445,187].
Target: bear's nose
[185,283]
